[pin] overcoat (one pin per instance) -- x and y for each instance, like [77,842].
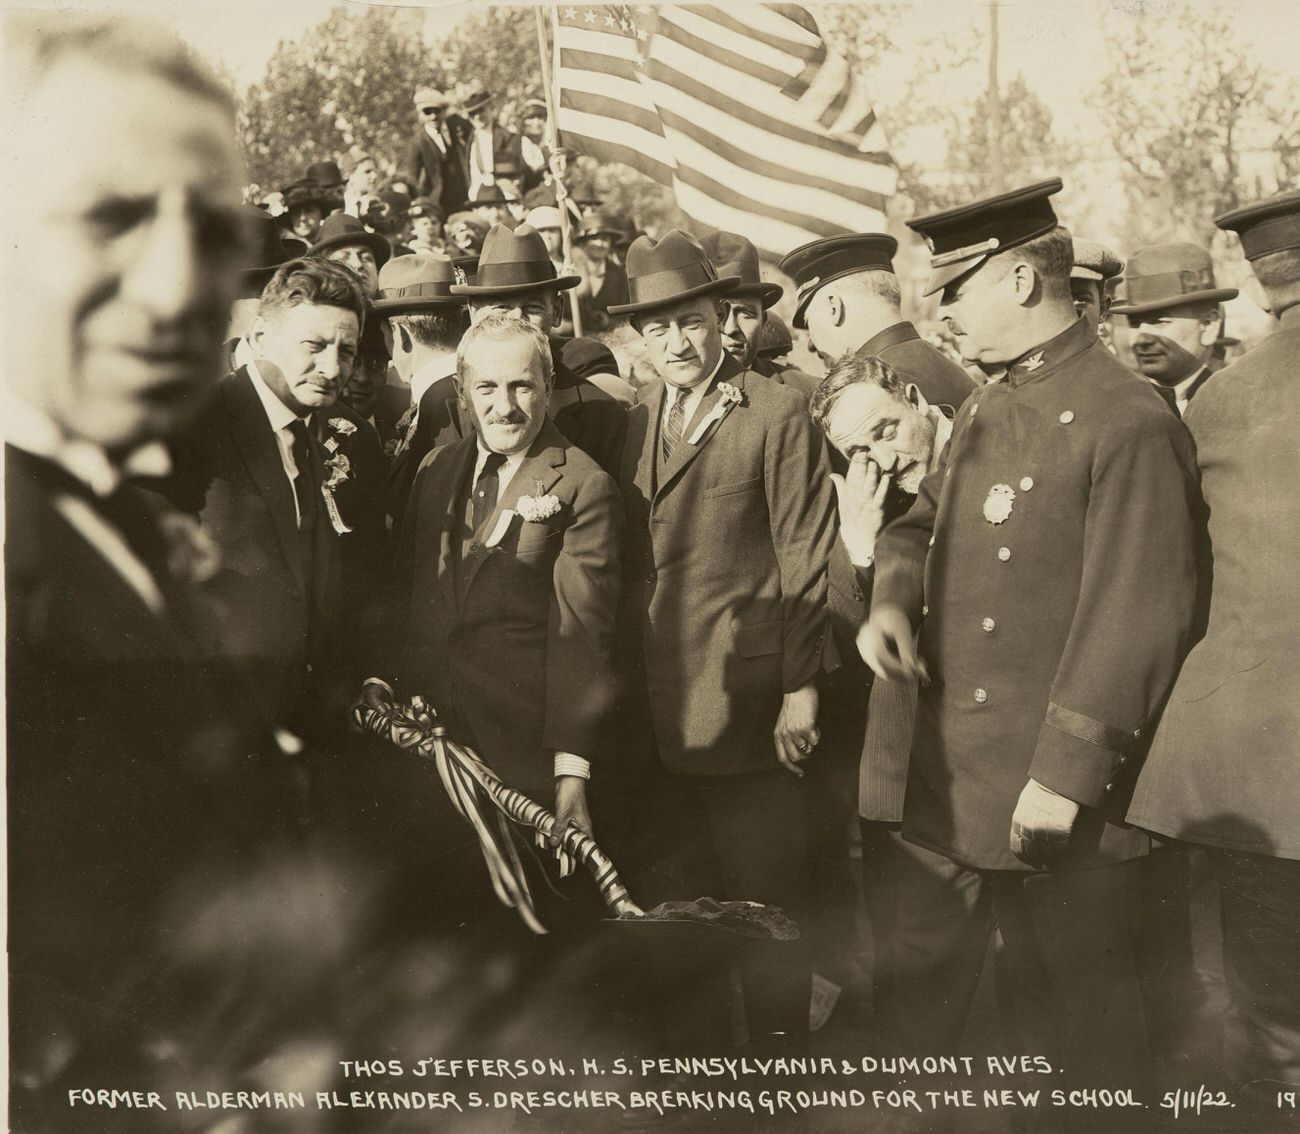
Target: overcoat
[1224,768]
[724,605]
[1050,565]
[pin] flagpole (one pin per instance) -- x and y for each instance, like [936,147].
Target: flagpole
[557,162]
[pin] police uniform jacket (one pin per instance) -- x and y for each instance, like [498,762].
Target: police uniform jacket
[941,380]
[1224,768]
[1050,564]
[725,575]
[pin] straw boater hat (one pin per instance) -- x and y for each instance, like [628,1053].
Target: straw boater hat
[1167,275]
[342,230]
[420,282]
[514,262]
[663,272]
[733,255]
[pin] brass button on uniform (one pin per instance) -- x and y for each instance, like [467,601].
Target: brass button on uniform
[989,625]
[1004,553]
[1066,417]
[1026,483]
[980,696]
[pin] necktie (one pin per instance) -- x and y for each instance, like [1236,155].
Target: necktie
[676,422]
[1171,399]
[302,483]
[486,488]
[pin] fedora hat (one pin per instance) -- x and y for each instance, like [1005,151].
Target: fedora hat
[733,255]
[303,192]
[598,224]
[514,262]
[1165,275]
[486,195]
[668,270]
[420,282]
[325,174]
[268,247]
[477,101]
[342,229]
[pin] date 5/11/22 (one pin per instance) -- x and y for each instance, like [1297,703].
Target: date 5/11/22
[1192,1100]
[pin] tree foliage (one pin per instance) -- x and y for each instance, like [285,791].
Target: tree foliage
[1198,124]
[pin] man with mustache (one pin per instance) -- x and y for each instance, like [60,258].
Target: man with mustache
[253,470]
[1049,566]
[1175,314]
[848,299]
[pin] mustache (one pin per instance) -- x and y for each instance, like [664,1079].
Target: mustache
[514,417]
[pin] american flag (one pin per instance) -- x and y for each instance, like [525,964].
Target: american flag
[742,111]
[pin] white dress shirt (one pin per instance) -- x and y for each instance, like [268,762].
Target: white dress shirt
[435,134]
[693,399]
[1181,396]
[281,417]
[35,432]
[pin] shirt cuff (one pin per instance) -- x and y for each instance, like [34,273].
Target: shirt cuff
[567,764]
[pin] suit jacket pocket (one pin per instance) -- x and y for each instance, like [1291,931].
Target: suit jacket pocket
[534,538]
[753,485]
[759,638]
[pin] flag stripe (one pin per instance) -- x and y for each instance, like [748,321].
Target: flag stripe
[783,61]
[778,171]
[606,106]
[808,48]
[654,146]
[796,14]
[774,238]
[573,59]
[815,226]
[756,131]
[715,55]
[600,43]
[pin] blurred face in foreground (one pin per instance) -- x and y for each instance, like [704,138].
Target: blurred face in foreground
[684,341]
[122,273]
[503,386]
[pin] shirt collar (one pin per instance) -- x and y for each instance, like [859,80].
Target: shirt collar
[1180,390]
[242,355]
[279,415]
[700,388]
[437,368]
[35,432]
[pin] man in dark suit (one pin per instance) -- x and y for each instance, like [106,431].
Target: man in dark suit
[1222,772]
[1049,566]
[508,581]
[434,164]
[490,152]
[145,801]
[730,523]
[1175,315]
[254,470]
[848,300]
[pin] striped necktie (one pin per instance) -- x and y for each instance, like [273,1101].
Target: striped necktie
[676,422]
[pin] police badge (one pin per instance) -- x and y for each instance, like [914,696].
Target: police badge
[997,504]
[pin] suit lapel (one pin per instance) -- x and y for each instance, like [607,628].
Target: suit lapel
[257,446]
[648,461]
[446,503]
[536,476]
[685,452]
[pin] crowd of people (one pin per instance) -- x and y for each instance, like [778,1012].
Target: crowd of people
[991,646]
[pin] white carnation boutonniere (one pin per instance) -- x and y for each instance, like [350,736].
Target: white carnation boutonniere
[192,554]
[535,509]
[338,469]
[728,398]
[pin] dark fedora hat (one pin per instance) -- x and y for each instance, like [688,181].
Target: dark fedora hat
[303,192]
[268,246]
[487,195]
[668,270]
[598,224]
[325,174]
[420,282]
[513,262]
[476,101]
[1166,275]
[733,255]
[342,229]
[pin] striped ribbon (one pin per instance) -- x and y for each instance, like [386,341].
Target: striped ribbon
[489,806]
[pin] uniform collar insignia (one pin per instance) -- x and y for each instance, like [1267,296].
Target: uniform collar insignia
[1033,362]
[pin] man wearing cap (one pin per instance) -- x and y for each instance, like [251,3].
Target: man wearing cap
[1222,772]
[433,163]
[423,323]
[489,147]
[1175,312]
[746,305]
[1092,280]
[1049,567]
[345,240]
[848,297]
[515,276]
[426,219]
[730,522]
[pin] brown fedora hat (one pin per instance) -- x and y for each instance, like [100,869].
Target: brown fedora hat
[342,229]
[1165,275]
[668,270]
[420,282]
[733,255]
[268,247]
[514,262]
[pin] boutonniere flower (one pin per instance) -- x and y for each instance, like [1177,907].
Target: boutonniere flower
[192,554]
[534,509]
[337,470]
[342,426]
[728,398]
